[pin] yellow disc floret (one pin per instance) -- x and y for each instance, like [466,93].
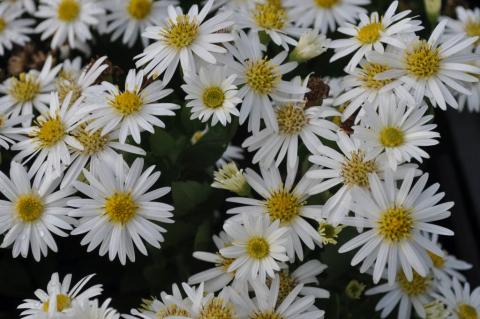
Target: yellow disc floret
[438,261]
[213,97]
[370,33]
[120,207]
[369,72]
[423,61]
[92,142]
[29,207]
[291,119]
[465,311]
[355,170]
[50,131]
[284,206]
[262,76]
[267,314]
[418,286]
[270,16]
[25,88]
[170,311]
[139,9]
[127,103]
[258,247]
[326,4]
[217,308]
[63,302]
[181,33]
[395,224]
[68,10]
[3,24]
[391,136]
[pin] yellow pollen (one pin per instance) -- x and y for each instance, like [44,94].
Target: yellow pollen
[270,16]
[65,86]
[217,308]
[3,24]
[25,88]
[180,33]
[284,206]
[326,4]
[395,224]
[465,311]
[68,10]
[139,9]
[127,103]
[92,142]
[472,28]
[417,286]
[226,262]
[262,76]
[423,61]
[63,302]
[50,131]
[213,97]
[368,73]
[29,207]
[120,207]
[266,314]
[171,310]
[391,136]
[3,120]
[291,119]
[287,284]
[370,33]
[258,247]
[355,170]
[437,261]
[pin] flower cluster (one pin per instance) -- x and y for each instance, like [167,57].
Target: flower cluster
[332,153]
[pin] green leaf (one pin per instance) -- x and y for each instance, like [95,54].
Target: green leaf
[162,143]
[187,195]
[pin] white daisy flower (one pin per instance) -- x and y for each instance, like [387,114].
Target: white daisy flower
[13,29]
[462,302]
[397,221]
[231,178]
[232,153]
[471,102]
[310,45]
[9,132]
[58,300]
[86,309]
[361,87]
[431,68]
[68,21]
[261,80]
[129,18]
[295,122]
[468,22]
[30,90]
[257,247]
[282,202]
[120,210]
[28,5]
[50,141]
[71,69]
[131,111]
[325,15]
[373,33]
[407,293]
[398,131]
[212,95]
[266,303]
[31,212]
[182,37]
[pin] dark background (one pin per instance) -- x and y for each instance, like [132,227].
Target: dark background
[454,163]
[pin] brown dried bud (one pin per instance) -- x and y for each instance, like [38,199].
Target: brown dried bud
[26,58]
[319,90]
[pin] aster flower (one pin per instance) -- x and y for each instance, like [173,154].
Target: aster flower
[30,90]
[261,80]
[120,210]
[86,309]
[460,300]
[398,131]
[32,212]
[229,177]
[9,132]
[68,21]
[467,22]
[28,5]
[128,18]
[397,221]
[284,202]
[212,95]
[256,248]
[131,111]
[431,68]
[232,153]
[181,37]
[59,299]
[373,33]
[13,29]
[310,45]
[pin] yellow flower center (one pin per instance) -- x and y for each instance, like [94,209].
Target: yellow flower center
[3,24]
[50,132]
[217,308]
[63,302]
[2,121]
[284,206]
[465,311]
[370,33]
[267,314]
[391,136]
[258,247]
[29,207]
[270,16]
[472,28]
[120,207]
[437,261]
[92,142]
[287,284]
[213,97]
[180,33]
[139,9]
[355,170]
[291,119]
[170,311]
[423,61]
[326,4]
[226,262]
[25,88]
[65,86]
[127,103]
[262,76]
[417,286]
[368,73]
[68,10]
[395,224]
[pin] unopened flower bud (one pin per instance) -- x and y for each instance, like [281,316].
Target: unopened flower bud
[229,177]
[310,45]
